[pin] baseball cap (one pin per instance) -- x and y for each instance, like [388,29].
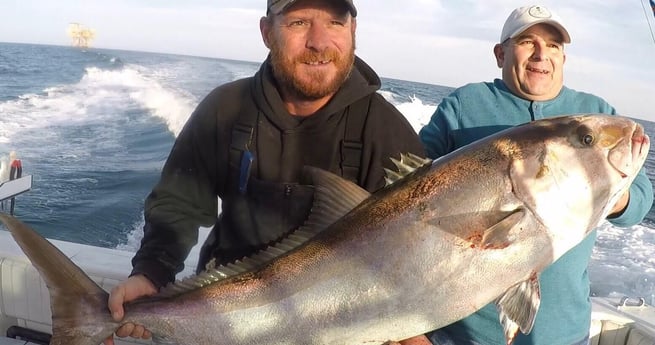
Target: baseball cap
[524,17]
[277,6]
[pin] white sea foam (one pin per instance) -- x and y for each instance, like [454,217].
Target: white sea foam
[622,261]
[417,112]
[172,106]
[99,96]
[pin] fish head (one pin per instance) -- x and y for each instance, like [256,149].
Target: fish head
[570,171]
[620,147]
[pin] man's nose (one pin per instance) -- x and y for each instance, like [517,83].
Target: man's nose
[318,37]
[540,52]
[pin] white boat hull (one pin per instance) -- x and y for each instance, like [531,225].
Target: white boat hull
[622,322]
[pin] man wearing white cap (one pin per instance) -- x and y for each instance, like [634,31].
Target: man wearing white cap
[531,55]
[312,102]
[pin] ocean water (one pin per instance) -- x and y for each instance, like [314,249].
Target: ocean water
[94,128]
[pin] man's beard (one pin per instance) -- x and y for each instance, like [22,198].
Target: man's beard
[314,85]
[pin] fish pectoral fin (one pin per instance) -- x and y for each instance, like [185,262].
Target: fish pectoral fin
[497,236]
[518,307]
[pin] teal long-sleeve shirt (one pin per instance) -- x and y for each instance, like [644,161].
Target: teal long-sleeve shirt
[477,110]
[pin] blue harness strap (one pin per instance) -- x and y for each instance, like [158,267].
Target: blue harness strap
[351,145]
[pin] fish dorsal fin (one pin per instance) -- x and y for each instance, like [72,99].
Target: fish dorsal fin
[518,307]
[407,164]
[333,198]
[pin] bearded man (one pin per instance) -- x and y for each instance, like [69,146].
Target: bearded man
[312,102]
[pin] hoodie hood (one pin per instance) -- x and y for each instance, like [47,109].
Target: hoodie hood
[362,82]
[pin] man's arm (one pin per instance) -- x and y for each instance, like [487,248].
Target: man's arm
[183,199]
[435,135]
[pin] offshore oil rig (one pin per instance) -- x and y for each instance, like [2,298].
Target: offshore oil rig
[81,35]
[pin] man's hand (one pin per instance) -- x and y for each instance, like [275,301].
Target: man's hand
[620,205]
[134,287]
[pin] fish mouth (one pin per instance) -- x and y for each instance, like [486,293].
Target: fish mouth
[625,156]
[616,166]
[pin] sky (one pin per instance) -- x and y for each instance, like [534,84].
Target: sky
[442,42]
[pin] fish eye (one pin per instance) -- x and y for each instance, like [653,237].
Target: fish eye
[587,139]
[585,135]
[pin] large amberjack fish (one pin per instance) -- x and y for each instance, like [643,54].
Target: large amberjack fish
[473,227]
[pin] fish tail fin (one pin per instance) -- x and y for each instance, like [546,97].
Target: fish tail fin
[79,306]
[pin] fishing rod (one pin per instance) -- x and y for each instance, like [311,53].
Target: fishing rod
[652,6]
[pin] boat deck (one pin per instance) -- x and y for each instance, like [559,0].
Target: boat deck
[10,341]
[126,341]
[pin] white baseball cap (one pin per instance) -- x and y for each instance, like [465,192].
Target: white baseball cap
[524,17]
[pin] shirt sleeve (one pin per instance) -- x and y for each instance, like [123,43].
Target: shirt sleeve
[183,200]
[435,135]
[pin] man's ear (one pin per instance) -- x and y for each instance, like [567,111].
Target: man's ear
[563,58]
[265,26]
[499,52]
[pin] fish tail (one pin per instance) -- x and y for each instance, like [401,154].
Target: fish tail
[79,306]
